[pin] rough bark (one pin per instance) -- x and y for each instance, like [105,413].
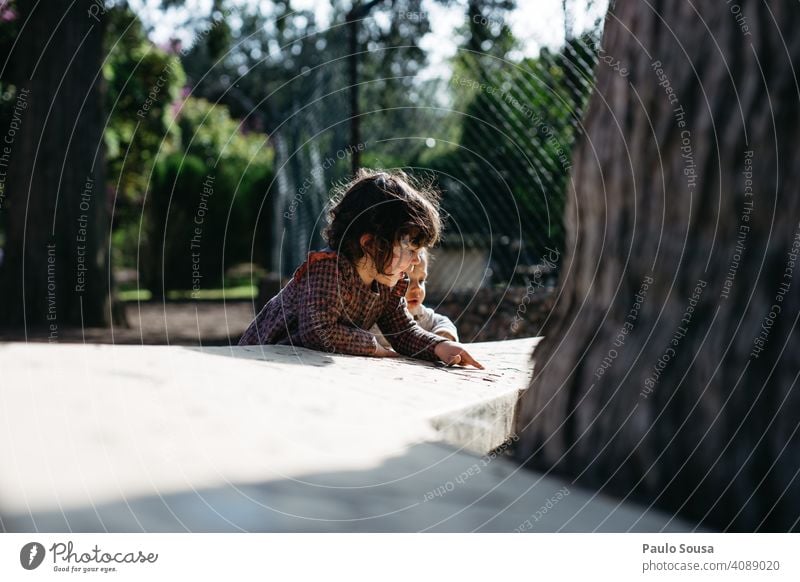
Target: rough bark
[56,163]
[693,410]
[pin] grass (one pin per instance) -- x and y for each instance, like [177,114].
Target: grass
[227,293]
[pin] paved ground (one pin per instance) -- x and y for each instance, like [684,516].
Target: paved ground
[168,438]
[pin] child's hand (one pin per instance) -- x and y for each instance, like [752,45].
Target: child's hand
[452,353]
[382,352]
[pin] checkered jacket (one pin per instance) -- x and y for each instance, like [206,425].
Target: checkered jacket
[328,307]
[427,319]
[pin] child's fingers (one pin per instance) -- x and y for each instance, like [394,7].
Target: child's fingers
[381,352]
[468,360]
[454,361]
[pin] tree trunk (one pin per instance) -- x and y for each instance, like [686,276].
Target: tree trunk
[669,375]
[56,262]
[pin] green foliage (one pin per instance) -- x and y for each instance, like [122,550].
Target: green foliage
[506,180]
[285,74]
[205,199]
[160,151]
[142,83]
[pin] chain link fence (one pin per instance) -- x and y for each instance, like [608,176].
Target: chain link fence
[496,138]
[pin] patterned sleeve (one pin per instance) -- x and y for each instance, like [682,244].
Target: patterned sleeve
[320,313]
[402,331]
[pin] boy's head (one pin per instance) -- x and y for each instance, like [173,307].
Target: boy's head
[385,217]
[418,275]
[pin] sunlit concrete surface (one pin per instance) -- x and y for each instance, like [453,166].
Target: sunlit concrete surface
[273,438]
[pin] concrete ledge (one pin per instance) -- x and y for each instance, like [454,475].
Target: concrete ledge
[271,438]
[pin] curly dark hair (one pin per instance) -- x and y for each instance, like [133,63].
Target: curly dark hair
[387,204]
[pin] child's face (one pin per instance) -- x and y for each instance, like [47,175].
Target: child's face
[415,294]
[404,256]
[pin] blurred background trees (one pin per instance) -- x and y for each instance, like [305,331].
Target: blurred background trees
[256,96]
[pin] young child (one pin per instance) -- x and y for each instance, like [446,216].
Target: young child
[426,317]
[376,230]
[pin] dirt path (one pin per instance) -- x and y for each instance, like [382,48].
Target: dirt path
[177,323]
